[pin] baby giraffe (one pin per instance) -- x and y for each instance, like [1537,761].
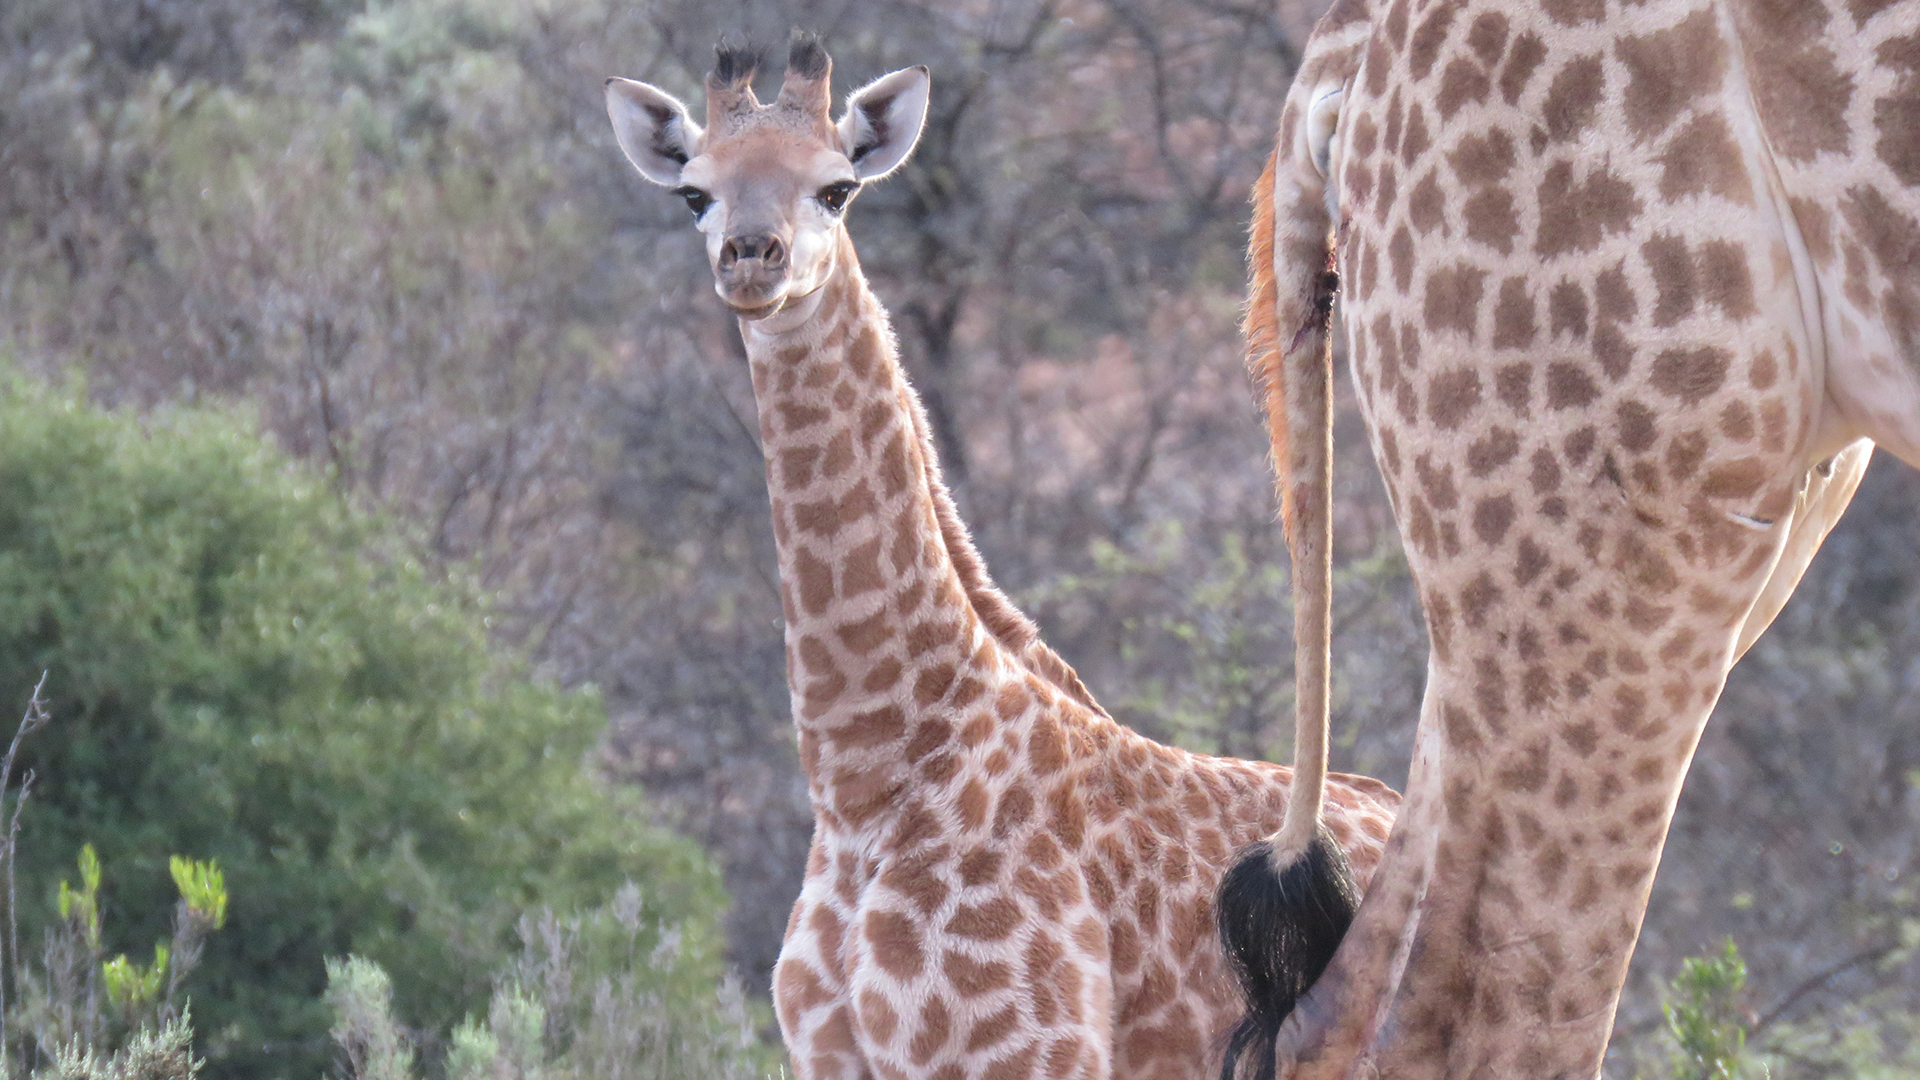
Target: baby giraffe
[1004,882]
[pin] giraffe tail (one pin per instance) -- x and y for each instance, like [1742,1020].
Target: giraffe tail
[1287,901]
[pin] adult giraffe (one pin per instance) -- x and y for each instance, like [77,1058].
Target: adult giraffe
[1004,883]
[1625,283]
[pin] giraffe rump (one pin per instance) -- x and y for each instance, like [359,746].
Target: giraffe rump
[1279,928]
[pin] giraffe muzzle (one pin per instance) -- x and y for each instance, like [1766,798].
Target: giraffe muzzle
[751,272]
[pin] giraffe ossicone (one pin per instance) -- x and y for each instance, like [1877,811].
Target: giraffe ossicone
[1631,288]
[1004,882]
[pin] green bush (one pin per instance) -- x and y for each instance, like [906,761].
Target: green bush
[1704,1018]
[98,1019]
[589,998]
[165,1054]
[244,670]
[1875,1037]
[1711,1033]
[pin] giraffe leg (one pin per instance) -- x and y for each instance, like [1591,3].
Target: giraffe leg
[1506,908]
[1578,645]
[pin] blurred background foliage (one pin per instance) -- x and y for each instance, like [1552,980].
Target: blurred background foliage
[242,668]
[398,239]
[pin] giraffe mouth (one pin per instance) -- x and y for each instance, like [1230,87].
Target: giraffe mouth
[753,294]
[758,312]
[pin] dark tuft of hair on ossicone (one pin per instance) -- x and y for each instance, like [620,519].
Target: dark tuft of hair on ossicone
[735,62]
[806,57]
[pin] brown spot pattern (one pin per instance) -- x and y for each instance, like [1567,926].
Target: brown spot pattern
[1668,69]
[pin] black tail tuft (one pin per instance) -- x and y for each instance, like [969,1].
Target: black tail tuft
[1279,931]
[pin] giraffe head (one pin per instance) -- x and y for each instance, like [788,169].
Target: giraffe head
[768,184]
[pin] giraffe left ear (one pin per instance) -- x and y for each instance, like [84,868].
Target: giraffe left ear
[653,129]
[883,122]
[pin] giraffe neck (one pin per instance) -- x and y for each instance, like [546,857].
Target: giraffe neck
[878,580]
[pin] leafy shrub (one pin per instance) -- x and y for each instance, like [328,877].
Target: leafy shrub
[1205,640]
[165,1054]
[1873,1038]
[361,997]
[1711,1034]
[95,1019]
[588,999]
[1704,1019]
[247,671]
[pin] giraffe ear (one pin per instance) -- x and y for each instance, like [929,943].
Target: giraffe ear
[883,122]
[654,129]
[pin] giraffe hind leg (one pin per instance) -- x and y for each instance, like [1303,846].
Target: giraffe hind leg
[1280,927]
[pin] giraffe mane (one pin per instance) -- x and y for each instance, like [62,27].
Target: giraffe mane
[1260,324]
[1005,623]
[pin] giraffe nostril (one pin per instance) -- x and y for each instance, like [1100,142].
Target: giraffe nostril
[760,246]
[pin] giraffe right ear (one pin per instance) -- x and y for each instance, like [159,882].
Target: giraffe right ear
[654,129]
[883,122]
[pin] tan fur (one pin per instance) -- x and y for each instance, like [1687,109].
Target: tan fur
[1289,311]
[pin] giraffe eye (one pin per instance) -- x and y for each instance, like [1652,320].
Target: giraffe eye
[697,200]
[834,196]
